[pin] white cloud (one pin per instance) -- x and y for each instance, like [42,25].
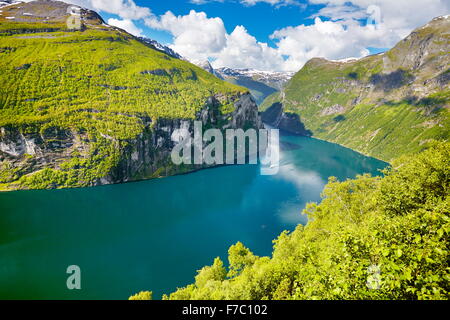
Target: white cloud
[126,9]
[126,25]
[271,2]
[198,37]
[331,40]
[243,51]
[345,36]
[195,35]
[402,16]
[340,33]
[338,30]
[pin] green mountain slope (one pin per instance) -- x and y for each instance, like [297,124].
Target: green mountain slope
[95,106]
[384,105]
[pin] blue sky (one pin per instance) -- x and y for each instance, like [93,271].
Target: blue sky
[260,20]
[274,35]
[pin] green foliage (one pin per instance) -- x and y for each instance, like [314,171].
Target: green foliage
[239,258]
[369,238]
[143,295]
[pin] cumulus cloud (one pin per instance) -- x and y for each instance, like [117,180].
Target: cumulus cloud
[331,40]
[272,2]
[243,51]
[402,16]
[126,9]
[339,30]
[195,35]
[198,37]
[126,25]
[353,27]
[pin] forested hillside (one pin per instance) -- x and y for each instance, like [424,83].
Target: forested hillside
[369,238]
[95,105]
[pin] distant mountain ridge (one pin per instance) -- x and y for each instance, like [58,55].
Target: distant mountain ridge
[260,83]
[383,105]
[272,78]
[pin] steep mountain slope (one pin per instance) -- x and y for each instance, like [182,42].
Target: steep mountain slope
[96,105]
[383,105]
[260,83]
[158,46]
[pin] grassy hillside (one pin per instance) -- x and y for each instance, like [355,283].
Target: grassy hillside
[369,238]
[384,105]
[100,85]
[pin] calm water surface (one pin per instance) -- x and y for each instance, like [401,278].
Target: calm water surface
[154,235]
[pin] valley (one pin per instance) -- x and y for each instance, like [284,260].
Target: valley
[383,105]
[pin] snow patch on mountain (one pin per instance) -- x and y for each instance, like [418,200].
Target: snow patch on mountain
[5,3]
[160,47]
[263,76]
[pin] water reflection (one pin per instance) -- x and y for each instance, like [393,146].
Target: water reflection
[155,234]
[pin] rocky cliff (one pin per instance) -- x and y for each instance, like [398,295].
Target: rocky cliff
[383,105]
[260,83]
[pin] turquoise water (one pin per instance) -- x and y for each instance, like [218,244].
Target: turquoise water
[154,235]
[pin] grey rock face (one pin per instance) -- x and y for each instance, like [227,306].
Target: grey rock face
[288,122]
[146,156]
[336,109]
[206,65]
[150,152]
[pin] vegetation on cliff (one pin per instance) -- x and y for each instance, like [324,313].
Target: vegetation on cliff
[369,238]
[384,105]
[89,93]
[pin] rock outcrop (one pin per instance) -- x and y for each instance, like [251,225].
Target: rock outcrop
[145,156]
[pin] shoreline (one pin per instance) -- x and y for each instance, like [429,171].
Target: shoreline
[282,133]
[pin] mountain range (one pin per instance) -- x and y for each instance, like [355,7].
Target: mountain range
[260,83]
[94,105]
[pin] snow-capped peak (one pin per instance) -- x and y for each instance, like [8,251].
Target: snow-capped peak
[253,73]
[160,47]
[5,3]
